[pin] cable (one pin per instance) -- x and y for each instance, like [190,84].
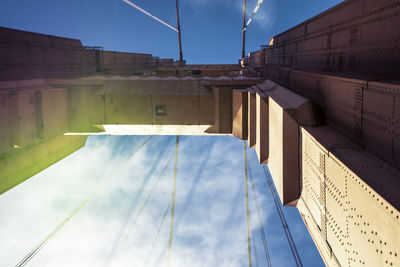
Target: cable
[247,204]
[244,31]
[171,227]
[255,250]
[35,250]
[116,251]
[179,31]
[282,218]
[157,234]
[260,225]
[150,15]
[259,2]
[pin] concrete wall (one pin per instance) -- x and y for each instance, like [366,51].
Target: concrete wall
[356,37]
[33,120]
[125,63]
[345,61]
[27,55]
[38,116]
[277,115]
[349,201]
[348,197]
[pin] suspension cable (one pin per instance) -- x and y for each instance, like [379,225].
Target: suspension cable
[260,225]
[244,31]
[171,227]
[259,2]
[157,234]
[36,249]
[255,250]
[150,15]
[247,204]
[285,226]
[116,251]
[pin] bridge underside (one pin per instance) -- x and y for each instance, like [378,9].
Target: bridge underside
[320,106]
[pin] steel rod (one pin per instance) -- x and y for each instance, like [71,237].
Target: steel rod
[179,31]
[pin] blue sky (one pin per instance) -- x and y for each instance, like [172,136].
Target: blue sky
[211,29]
[210,225]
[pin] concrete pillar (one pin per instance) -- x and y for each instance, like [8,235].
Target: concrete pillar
[22,117]
[252,119]
[54,112]
[222,111]
[262,121]
[284,153]
[239,114]
[87,107]
[4,131]
[285,111]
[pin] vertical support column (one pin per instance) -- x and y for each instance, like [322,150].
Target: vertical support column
[222,111]
[54,112]
[284,156]
[22,117]
[4,129]
[262,135]
[252,117]
[239,114]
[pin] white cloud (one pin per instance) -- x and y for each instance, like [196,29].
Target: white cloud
[209,224]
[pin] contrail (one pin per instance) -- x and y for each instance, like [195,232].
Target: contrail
[150,15]
[254,11]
